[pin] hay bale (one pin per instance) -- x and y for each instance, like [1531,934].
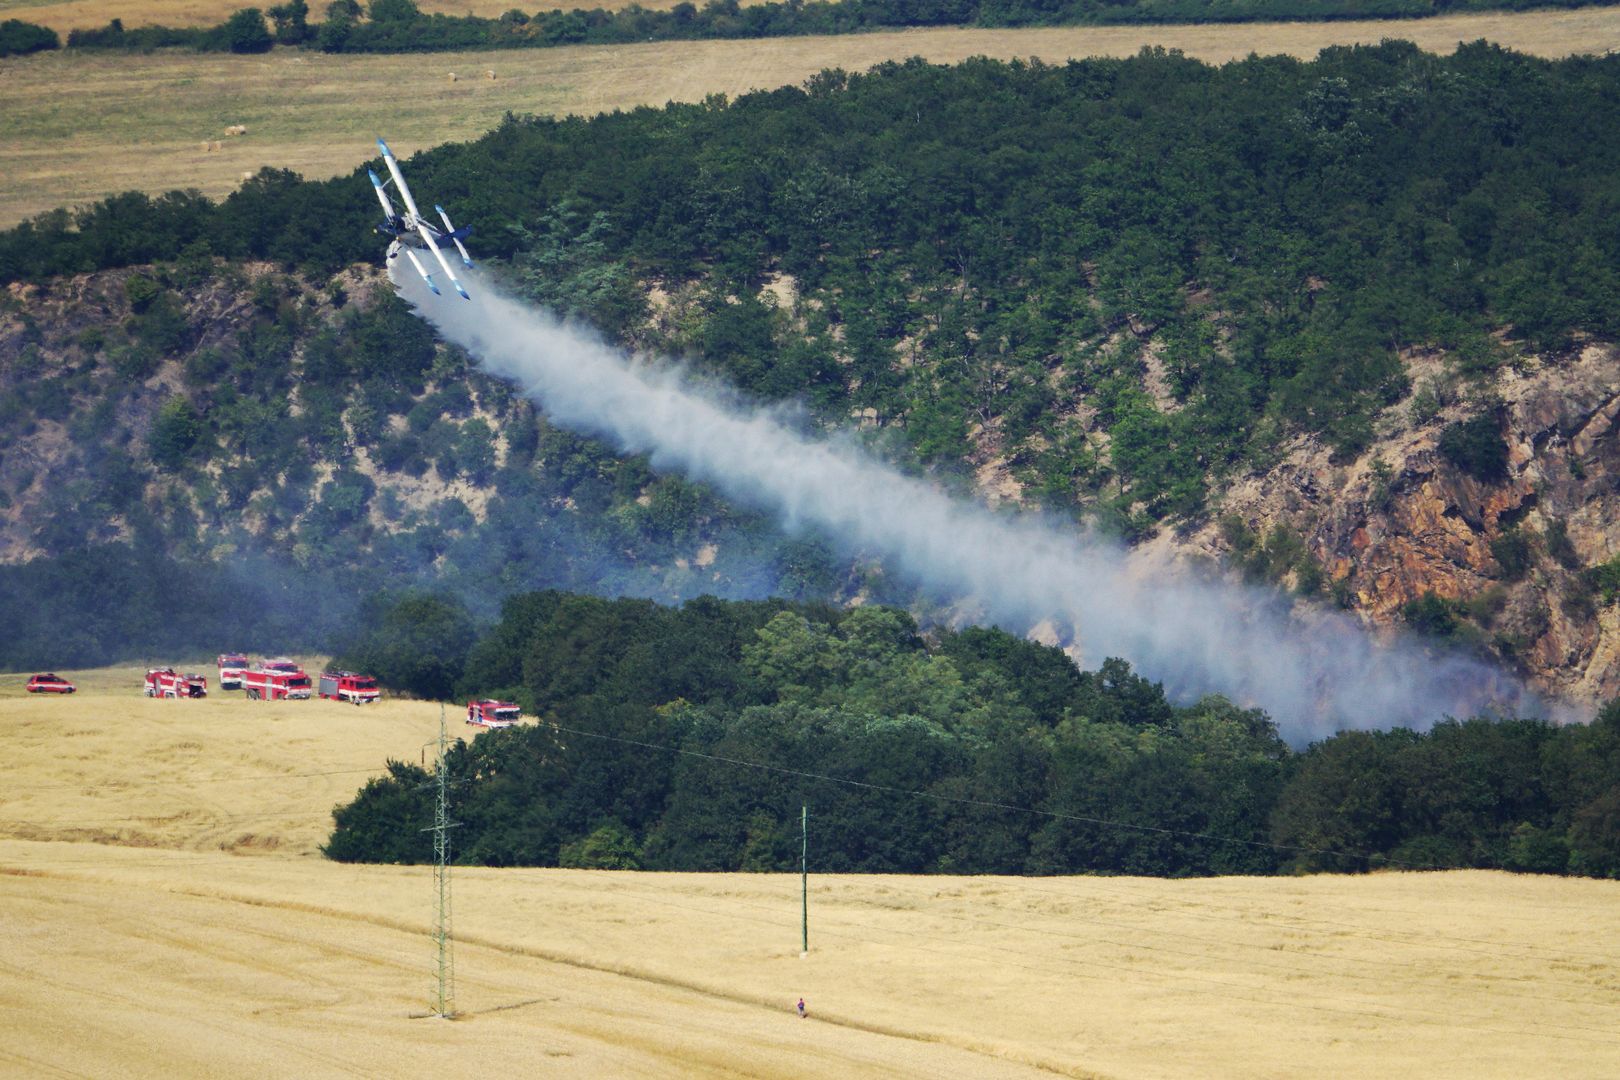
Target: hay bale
[490,74]
[452,76]
[206,147]
[247,174]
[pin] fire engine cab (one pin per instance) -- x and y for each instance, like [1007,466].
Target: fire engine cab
[493,714]
[169,683]
[276,680]
[347,686]
[231,666]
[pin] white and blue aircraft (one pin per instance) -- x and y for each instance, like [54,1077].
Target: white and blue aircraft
[411,232]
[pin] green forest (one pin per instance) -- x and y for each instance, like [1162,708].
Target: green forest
[968,252]
[689,739]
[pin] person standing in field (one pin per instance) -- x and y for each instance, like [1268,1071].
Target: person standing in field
[801,1008]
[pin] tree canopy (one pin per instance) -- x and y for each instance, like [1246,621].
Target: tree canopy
[689,738]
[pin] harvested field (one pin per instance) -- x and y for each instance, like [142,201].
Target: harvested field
[142,937]
[83,126]
[65,15]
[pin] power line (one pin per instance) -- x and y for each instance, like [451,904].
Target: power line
[444,998]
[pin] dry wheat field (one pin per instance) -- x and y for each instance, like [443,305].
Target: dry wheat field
[81,126]
[167,914]
[65,15]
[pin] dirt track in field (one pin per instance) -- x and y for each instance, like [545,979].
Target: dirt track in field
[167,914]
[82,126]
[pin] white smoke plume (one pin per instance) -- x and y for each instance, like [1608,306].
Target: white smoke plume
[1314,674]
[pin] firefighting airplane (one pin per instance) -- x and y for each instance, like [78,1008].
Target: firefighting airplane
[411,231]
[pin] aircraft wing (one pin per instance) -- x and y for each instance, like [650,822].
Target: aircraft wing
[427,234]
[455,237]
[399,179]
[420,269]
[382,196]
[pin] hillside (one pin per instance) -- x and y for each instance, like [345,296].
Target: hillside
[1214,346]
[178,950]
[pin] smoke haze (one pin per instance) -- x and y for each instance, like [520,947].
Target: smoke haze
[1315,674]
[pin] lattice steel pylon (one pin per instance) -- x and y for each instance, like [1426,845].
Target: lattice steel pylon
[444,996]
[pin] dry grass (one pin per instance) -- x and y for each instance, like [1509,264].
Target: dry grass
[168,953]
[109,764]
[82,126]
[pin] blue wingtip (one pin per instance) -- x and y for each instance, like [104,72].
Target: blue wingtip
[434,287]
[385,149]
[467,263]
[374,181]
[439,208]
[463,293]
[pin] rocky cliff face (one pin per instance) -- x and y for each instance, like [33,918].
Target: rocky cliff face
[1514,555]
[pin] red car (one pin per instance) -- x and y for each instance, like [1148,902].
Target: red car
[50,684]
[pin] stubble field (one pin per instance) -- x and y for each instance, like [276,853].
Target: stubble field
[65,15]
[167,913]
[82,126]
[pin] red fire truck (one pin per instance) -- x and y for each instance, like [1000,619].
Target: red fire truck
[348,686]
[169,683]
[276,680]
[493,714]
[231,667]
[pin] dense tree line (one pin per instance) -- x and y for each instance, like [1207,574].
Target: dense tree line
[394,26]
[688,739]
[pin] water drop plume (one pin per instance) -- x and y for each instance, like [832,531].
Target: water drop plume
[1315,671]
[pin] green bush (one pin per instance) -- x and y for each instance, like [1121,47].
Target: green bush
[246,32]
[1476,448]
[18,38]
[175,433]
[1603,580]
[1515,553]
[1432,615]
[611,847]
